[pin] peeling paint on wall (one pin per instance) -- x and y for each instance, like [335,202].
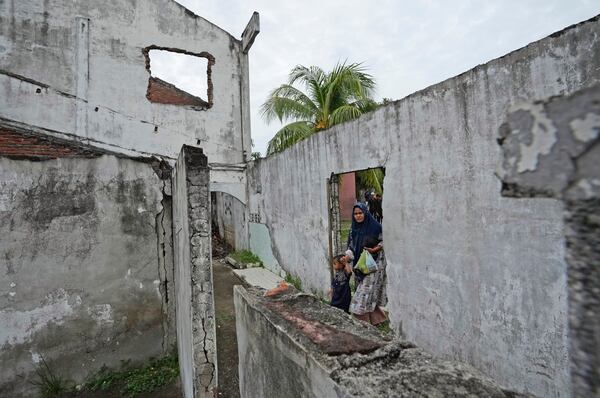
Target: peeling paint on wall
[587,128]
[18,327]
[539,140]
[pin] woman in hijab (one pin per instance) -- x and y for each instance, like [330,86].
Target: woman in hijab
[363,225]
[370,293]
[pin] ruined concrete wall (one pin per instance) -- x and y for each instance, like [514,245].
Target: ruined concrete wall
[552,149]
[78,69]
[271,363]
[79,263]
[293,345]
[196,333]
[230,220]
[471,275]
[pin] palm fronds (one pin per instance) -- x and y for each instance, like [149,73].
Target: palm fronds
[329,99]
[371,178]
[288,135]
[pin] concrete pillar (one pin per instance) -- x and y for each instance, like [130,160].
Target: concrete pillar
[552,149]
[196,334]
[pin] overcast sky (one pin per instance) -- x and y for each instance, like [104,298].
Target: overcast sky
[406,45]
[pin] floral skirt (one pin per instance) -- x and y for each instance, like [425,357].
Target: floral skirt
[371,292]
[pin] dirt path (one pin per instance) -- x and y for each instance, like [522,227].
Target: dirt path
[224,279]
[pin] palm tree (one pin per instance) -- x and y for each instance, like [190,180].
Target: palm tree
[371,178]
[331,98]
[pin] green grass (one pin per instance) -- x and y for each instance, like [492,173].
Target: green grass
[49,384]
[385,328]
[224,318]
[294,281]
[137,380]
[346,225]
[246,257]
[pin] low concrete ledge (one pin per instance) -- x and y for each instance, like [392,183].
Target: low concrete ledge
[294,345]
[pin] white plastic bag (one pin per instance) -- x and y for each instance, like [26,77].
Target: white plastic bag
[371,263]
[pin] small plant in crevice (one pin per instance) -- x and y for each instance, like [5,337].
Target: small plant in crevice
[385,328]
[318,295]
[294,281]
[49,383]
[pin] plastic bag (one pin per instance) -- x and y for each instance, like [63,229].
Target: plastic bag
[366,264]
[371,263]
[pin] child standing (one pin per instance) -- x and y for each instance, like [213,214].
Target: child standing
[340,285]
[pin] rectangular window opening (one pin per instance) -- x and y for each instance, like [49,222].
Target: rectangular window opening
[178,77]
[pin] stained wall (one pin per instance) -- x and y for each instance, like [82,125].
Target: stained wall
[472,275]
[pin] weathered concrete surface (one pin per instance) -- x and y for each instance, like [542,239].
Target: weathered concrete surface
[80,279]
[293,345]
[78,68]
[196,334]
[79,71]
[230,220]
[261,245]
[472,276]
[552,149]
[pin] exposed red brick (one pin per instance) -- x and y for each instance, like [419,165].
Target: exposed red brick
[14,144]
[330,340]
[162,92]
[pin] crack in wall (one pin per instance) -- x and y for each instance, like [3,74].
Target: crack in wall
[205,350]
[162,270]
[192,191]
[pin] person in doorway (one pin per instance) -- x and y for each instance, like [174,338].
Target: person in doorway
[371,293]
[340,285]
[375,207]
[368,195]
[363,225]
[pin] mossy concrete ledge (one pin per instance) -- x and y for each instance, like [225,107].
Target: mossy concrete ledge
[294,345]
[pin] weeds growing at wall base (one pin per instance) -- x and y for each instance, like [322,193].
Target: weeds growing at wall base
[246,257]
[138,380]
[50,384]
[294,281]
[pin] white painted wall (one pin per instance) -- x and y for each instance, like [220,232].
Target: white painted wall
[86,60]
[472,275]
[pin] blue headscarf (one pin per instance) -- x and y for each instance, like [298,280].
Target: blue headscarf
[369,227]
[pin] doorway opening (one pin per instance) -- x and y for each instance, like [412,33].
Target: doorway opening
[346,190]
[357,258]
